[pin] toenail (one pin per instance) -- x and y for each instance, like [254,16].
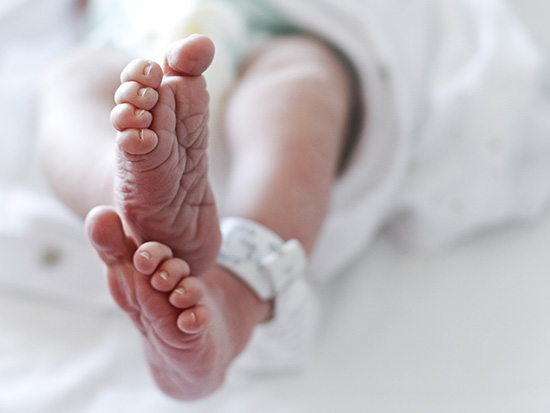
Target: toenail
[147,69]
[194,317]
[180,291]
[145,254]
[163,275]
[139,112]
[142,91]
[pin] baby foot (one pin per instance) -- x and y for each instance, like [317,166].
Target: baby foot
[162,188]
[193,327]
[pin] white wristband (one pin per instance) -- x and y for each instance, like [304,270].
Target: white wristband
[260,257]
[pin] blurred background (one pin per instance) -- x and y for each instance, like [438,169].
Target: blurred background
[475,339]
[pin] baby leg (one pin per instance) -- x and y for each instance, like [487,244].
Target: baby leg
[193,327]
[161,187]
[157,174]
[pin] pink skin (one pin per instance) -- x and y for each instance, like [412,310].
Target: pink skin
[135,272]
[190,336]
[162,190]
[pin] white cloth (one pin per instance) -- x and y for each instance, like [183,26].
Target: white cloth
[457,137]
[457,134]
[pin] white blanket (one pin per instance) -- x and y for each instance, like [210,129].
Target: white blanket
[457,126]
[460,330]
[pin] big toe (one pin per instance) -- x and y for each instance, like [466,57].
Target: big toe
[106,233]
[190,56]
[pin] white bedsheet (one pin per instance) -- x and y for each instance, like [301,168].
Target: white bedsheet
[465,330]
[462,330]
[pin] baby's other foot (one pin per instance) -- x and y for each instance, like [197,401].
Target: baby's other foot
[187,348]
[162,188]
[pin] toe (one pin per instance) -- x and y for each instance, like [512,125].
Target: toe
[169,274]
[187,294]
[137,141]
[190,56]
[125,116]
[137,94]
[106,233]
[194,320]
[150,255]
[146,72]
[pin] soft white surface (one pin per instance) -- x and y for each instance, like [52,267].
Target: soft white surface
[462,330]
